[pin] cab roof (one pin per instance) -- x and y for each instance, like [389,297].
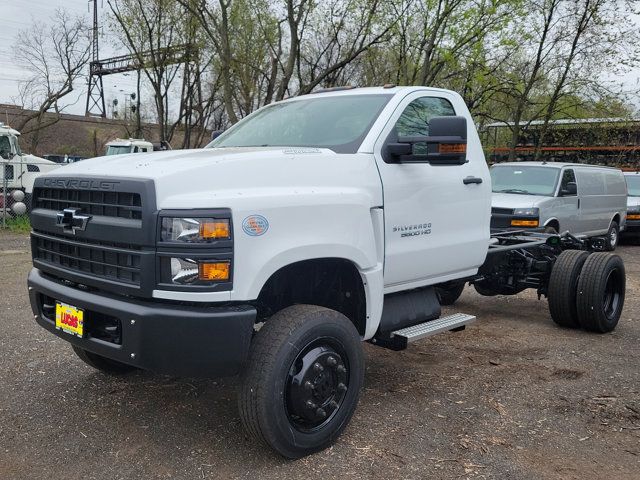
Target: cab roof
[347,91]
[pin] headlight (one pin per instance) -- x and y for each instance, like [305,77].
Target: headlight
[195,230]
[526,212]
[633,213]
[188,271]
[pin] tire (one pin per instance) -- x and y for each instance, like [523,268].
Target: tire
[286,400]
[484,290]
[448,293]
[601,291]
[105,365]
[613,236]
[563,285]
[550,229]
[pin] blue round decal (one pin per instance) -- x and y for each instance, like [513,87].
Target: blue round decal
[255,225]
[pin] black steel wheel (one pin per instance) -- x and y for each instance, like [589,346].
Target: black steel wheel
[105,365]
[563,284]
[601,292]
[302,381]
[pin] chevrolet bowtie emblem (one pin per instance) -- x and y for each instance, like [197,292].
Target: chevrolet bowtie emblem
[71,220]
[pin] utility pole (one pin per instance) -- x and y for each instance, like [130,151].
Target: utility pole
[95,94]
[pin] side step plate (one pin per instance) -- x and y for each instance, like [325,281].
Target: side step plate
[433,327]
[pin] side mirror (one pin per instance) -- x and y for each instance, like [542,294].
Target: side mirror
[569,190]
[446,144]
[215,134]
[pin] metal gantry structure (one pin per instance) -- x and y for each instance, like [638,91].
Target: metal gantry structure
[124,63]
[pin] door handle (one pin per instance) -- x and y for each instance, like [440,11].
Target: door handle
[470,180]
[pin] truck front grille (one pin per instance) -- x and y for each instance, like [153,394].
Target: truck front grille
[502,211]
[92,202]
[116,262]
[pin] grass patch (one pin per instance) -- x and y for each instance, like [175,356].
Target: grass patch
[19,224]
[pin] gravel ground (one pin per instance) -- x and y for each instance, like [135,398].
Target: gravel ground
[513,396]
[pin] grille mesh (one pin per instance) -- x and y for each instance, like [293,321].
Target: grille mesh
[100,261]
[92,202]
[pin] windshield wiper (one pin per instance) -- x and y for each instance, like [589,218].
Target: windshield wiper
[514,190]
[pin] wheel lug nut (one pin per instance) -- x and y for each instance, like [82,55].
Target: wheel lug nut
[341,369]
[342,387]
[308,385]
[321,413]
[333,404]
[317,367]
[310,405]
[331,361]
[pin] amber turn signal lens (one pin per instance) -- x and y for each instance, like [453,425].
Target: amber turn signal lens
[452,148]
[524,223]
[633,216]
[213,271]
[215,229]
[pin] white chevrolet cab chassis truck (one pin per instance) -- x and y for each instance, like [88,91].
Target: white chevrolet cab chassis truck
[312,225]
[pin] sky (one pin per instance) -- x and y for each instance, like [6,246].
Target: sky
[20,14]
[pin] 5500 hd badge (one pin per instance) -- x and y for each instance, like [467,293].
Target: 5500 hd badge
[412,230]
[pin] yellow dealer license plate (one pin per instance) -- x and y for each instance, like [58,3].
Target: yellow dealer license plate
[69,319]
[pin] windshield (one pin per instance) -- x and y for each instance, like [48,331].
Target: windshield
[118,149]
[524,180]
[633,185]
[339,123]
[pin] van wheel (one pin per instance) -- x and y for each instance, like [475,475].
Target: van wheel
[613,235]
[104,364]
[563,284]
[601,291]
[550,229]
[302,381]
[449,292]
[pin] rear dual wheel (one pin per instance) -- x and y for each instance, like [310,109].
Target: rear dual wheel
[302,382]
[587,291]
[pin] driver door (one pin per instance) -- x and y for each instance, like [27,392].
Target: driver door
[436,224]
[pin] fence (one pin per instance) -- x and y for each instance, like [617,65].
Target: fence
[16,187]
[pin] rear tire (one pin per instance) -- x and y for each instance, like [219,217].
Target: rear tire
[484,290]
[563,284]
[302,381]
[105,365]
[613,236]
[601,291]
[448,293]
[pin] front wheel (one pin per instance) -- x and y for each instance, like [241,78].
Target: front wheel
[613,235]
[302,381]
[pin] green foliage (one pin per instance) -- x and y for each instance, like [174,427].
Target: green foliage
[18,224]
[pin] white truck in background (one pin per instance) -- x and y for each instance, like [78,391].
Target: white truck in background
[312,225]
[19,170]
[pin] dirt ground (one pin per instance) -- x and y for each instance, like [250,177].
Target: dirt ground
[511,397]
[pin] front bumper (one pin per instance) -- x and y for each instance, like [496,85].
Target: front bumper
[632,227]
[162,337]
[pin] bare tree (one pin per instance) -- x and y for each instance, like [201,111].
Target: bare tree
[56,54]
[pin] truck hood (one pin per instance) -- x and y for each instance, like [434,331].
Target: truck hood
[515,200]
[186,178]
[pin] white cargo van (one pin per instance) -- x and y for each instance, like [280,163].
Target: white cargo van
[585,200]
[633,203]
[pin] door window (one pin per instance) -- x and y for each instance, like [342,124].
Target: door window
[415,119]
[568,176]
